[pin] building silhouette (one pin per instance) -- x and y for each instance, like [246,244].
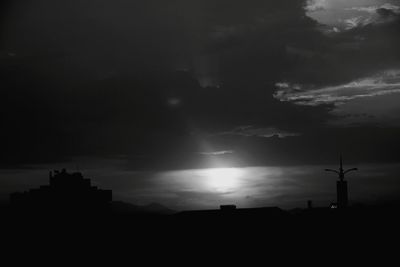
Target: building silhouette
[65,192]
[341,185]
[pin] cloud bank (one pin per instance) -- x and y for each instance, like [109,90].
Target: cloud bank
[387,82]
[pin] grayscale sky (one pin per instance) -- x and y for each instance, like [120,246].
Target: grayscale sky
[152,98]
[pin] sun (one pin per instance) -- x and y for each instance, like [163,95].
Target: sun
[223,179]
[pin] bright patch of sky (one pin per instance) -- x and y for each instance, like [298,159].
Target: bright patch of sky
[341,15]
[286,187]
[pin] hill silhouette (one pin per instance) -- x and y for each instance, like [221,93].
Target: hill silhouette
[120,207]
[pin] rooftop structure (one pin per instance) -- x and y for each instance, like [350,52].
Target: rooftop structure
[341,185]
[65,191]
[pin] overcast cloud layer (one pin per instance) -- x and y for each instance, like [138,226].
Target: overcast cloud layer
[179,84]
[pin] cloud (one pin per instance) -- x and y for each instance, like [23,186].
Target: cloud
[374,9]
[382,111]
[376,15]
[347,15]
[356,22]
[106,83]
[266,132]
[387,82]
[217,153]
[316,5]
[368,101]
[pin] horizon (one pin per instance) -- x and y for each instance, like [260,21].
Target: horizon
[246,187]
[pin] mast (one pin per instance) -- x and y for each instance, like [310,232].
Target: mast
[341,184]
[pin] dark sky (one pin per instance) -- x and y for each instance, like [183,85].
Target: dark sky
[188,84]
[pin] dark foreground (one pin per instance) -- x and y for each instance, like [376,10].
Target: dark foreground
[269,234]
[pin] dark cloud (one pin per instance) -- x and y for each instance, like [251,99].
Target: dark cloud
[250,130]
[354,71]
[384,83]
[151,80]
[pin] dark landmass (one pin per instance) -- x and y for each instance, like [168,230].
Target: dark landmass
[105,227]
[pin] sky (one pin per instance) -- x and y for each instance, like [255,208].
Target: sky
[147,97]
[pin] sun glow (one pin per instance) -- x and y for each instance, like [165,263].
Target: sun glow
[223,179]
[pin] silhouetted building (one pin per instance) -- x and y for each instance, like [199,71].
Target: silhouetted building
[66,192]
[341,192]
[341,185]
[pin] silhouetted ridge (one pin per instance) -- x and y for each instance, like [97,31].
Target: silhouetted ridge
[119,207]
[232,211]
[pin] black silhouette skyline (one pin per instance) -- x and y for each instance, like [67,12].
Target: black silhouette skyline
[65,192]
[194,104]
[71,193]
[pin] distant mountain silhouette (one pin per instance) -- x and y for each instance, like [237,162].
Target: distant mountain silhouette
[158,208]
[120,207]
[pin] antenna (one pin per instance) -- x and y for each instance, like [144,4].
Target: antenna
[341,172]
[341,184]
